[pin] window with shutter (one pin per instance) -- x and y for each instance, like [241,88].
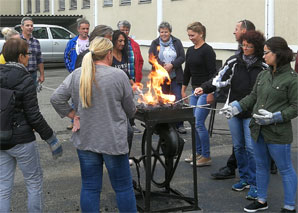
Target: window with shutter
[144,1]
[73,4]
[46,5]
[86,4]
[108,3]
[125,2]
[29,6]
[37,6]
[61,4]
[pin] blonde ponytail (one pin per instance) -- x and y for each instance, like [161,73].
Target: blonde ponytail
[99,48]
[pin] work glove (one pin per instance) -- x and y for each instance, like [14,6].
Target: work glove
[265,117]
[55,146]
[231,110]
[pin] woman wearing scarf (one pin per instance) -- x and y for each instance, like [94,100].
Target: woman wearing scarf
[169,53]
[240,73]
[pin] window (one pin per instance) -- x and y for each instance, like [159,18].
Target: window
[37,6]
[29,6]
[46,6]
[61,4]
[108,3]
[86,4]
[73,4]
[125,2]
[40,33]
[59,33]
[144,1]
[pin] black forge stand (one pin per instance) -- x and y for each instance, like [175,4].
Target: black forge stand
[151,119]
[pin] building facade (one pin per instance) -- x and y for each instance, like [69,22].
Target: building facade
[272,17]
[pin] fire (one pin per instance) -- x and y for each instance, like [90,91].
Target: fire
[157,77]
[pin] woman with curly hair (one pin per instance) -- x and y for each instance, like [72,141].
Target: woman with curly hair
[240,72]
[273,102]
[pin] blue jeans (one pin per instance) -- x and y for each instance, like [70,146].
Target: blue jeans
[91,164]
[173,88]
[243,148]
[281,154]
[202,136]
[26,157]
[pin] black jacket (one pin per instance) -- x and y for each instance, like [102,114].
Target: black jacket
[177,63]
[242,82]
[26,115]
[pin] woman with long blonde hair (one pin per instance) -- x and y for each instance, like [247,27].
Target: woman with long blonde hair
[103,100]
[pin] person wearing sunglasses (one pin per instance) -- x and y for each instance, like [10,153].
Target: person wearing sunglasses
[273,102]
[240,73]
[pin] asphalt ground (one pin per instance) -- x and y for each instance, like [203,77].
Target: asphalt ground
[62,177]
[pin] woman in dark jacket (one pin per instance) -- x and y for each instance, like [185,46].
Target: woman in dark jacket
[169,52]
[240,72]
[21,147]
[274,104]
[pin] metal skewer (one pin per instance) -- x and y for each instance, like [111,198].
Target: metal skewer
[183,99]
[204,106]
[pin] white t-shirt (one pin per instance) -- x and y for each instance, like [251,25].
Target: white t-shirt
[82,45]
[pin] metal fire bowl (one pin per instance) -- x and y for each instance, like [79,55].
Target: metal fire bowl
[167,113]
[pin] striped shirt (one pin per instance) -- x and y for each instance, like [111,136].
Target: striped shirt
[35,57]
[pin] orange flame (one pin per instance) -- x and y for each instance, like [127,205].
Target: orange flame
[157,77]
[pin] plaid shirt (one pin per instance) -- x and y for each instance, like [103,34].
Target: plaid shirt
[35,57]
[131,61]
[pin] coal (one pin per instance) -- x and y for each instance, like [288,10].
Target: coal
[158,107]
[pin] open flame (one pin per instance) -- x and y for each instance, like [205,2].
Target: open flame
[157,77]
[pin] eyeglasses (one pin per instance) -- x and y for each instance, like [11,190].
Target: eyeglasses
[266,52]
[246,46]
[28,53]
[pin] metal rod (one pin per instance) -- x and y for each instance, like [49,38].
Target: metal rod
[183,98]
[204,106]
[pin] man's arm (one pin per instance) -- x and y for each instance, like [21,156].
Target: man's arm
[41,70]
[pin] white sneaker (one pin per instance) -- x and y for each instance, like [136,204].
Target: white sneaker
[189,159]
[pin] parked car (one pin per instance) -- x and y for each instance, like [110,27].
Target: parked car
[52,39]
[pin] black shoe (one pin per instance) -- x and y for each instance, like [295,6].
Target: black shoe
[256,206]
[224,173]
[287,210]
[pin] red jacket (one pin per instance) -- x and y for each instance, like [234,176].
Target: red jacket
[138,60]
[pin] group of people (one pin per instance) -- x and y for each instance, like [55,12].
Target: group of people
[103,66]
[261,101]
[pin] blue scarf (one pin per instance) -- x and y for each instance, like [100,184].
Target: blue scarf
[171,54]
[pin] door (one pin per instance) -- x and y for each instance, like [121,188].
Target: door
[60,38]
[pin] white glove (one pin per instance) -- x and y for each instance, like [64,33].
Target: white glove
[231,110]
[265,117]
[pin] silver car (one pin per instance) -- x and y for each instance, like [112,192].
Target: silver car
[52,39]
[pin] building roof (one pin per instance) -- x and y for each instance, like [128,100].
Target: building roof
[67,21]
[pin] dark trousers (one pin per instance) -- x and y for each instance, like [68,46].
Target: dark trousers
[232,162]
